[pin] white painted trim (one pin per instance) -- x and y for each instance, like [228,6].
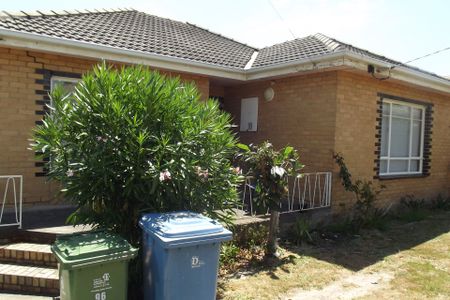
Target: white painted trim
[344,58]
[251,61]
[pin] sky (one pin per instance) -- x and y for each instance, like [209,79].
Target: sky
[398,29]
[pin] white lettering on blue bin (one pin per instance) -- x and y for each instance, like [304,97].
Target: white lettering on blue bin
[196,262]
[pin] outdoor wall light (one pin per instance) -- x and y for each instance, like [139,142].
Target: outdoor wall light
[269,93]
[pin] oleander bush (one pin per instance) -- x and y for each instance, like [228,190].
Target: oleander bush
[131,141]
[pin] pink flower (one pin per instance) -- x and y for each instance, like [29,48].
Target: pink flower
[164,176]
[237,170]
[201,173]
[204,174]
[69,173]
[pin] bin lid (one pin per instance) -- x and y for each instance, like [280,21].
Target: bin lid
[180,224]
[87,246]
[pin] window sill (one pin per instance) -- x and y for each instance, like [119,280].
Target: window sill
[401,176]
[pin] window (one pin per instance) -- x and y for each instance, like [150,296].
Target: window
[402,138]
[249,114]
[67,83]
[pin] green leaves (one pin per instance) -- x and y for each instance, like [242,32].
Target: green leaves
[270,168]
[112,140]
[243,147]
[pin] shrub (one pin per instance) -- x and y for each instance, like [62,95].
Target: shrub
[229,252]
[365,213]
[301,231]
[412,209]
[133,141]
[441,203]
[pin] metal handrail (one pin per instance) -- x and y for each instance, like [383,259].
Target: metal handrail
[11,179]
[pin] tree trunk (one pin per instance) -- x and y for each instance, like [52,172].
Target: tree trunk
[272,245]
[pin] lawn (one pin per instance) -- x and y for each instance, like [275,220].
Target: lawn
[409,260]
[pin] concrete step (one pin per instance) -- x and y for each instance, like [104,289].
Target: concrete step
[10,296]
[28,254]
[29,279]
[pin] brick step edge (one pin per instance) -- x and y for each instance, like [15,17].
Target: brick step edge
[31,285]
[28,257]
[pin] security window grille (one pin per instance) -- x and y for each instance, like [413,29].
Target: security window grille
[402,138]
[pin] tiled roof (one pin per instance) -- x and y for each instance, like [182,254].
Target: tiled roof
[138,31]
[315,46]
[310,46]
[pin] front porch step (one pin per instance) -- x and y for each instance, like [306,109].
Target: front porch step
[29,279]
[28,254]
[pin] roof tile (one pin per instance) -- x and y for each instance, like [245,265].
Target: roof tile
[134,30]
[137,31]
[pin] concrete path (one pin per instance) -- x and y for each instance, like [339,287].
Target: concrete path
[351,287]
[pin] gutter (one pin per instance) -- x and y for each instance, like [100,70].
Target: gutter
[336,59]
[90,50]
[400,68]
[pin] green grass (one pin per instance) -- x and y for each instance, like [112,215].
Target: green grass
[423,277]
[416,253]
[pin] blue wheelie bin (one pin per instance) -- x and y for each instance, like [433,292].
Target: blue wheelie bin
[181,255]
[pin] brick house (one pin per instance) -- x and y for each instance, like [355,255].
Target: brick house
[390,121]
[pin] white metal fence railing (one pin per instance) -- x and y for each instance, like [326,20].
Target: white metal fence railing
[306,191]
[13,188]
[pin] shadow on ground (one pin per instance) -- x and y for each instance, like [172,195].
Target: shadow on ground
[357,252]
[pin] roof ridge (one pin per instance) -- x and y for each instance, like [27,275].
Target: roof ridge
[330,43]
[53,13]
[288,41]
[222,36]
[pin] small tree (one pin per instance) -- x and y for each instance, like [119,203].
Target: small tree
[366,213]
[270,169]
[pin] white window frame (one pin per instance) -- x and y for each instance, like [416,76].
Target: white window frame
[409,158]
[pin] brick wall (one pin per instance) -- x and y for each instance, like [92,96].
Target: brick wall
[301,114]
[336,111]
[316,113]
[22,98]
[356,123]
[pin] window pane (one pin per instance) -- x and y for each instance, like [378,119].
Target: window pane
[417,113]
[384,136]
[398,165]
[386,108]
[383,166]
[401,111]
[400,137]
[414,166]
[67,86]
[416,138]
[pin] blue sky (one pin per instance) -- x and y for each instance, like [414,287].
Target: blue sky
[399,29]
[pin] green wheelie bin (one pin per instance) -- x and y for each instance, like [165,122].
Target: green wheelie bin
[93,265]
